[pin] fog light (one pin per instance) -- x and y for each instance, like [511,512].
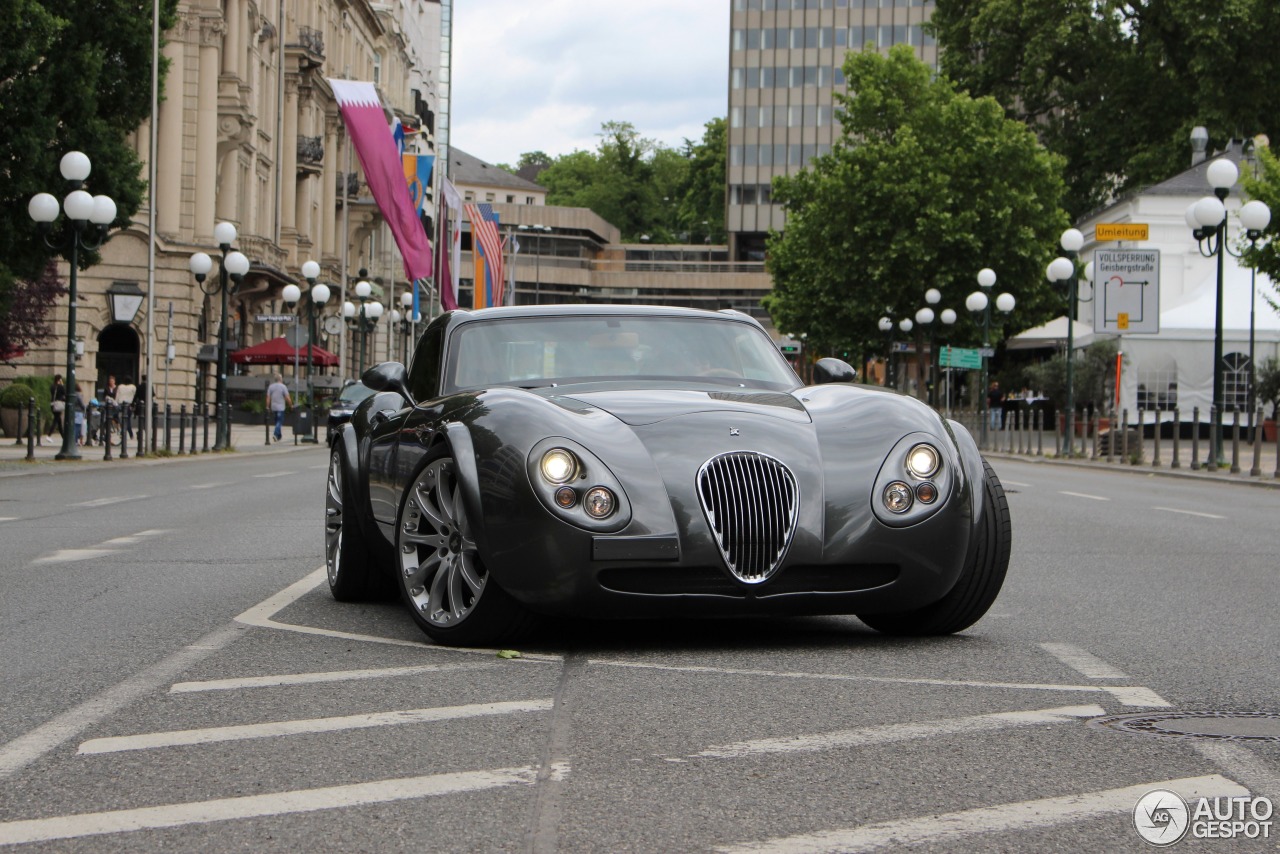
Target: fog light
[922,461]
[897,497]
[559,465]
[599,502]
[927,493]
[566,497]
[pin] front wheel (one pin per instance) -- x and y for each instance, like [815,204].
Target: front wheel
[346,549]
[441,575]
[980,580]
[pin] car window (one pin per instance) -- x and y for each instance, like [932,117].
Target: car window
[541,350]
[354,393]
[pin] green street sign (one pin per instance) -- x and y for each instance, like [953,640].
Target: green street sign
[955,357]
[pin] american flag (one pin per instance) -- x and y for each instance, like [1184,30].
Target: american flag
[484,228]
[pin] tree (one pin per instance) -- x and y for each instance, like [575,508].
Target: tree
[74,74]
[1266,187]
[702,200]
[1116,86]
[925,187]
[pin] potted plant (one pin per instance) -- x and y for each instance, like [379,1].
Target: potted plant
[1267,390]
[13,409]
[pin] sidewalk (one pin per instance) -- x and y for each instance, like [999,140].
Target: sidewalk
[245,439]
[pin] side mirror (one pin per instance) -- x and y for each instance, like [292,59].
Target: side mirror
[388,376]
[830,370]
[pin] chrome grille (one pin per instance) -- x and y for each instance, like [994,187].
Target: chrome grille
[750,501]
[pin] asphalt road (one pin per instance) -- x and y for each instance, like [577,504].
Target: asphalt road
[176,677]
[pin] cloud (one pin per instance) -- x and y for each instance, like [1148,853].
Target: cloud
[545,76]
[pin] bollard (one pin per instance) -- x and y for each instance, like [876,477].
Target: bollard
[1256,469]
[106,429]
[1215,434]
[182,429]
[126,418]
[168,428]
[1155,453]
[142,429]
[1084,434]
[1177,435]
[1097,433]
[155,425]
[1235,442]
[1277,449]
[1124,436]
[31,430]
[205,411]
[191,449]
[1039,432]
[1111,435]
[266,424]
[1195,438]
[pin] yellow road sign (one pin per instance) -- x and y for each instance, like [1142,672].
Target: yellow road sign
[1122,231]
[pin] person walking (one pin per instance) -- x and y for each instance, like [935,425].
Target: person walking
[995,406]
[59,404]
[278,400]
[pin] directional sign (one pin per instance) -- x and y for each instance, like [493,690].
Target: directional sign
[1126,291]
[955,357]
[1121,231]
[274,318]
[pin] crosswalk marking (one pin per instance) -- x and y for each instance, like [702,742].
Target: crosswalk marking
[258,806]
[889,733]
[314,678]
[1082,662]
[273,729]
[71,555]
[1025,815]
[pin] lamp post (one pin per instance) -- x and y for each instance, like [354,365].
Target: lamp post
[948,318]
[1208,220]
[234,266]
[1063,269]
[924,319]
[89,218]
[978,301]
[886,326]
[365,319]
[409,321]
[905,325]
[319,295]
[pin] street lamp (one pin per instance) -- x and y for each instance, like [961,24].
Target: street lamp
[409,319]
[319,295]
[90,217]
[886,326]
[234,265]
[1208,221]
[365,320]
[925,317]
[978,301]
[948,318]
[1063,269]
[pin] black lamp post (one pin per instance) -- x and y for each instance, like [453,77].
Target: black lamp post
[365,319]
[89,217]
[886,326]
[234,266]
[979,301]
[319,295]
[1208,220]
[1063,269]
[408,321]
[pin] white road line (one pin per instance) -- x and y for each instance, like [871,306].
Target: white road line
[937,830]
[8,518]
[27,748]
[1127,695]
[258,806]
[276,473]
[210,485]
[71,555]
[1082,662]
[1189,513]
[1084,495]
[1242,764]
[314,678]
[1013,482]
[112,499]
[889,733]
[274,729]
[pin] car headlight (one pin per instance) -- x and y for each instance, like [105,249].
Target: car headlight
[599,502]
[923,461]
[897,497]
[559,466]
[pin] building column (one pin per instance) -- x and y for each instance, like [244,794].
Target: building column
[233,44]
[289,156]
[169,138]
[211,30]
[329,188]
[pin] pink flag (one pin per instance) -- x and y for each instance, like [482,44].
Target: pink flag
[384,171]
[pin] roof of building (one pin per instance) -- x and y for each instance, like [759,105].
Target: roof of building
[465,168]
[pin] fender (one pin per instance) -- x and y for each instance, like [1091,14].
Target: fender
[973,471]
[464,457]
[347,447]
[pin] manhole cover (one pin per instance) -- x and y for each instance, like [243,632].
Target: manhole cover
[1251,726]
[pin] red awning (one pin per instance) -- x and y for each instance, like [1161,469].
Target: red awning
[278,352]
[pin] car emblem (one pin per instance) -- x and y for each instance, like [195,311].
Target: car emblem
[733,431]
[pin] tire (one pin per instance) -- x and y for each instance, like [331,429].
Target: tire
[980,580]
[346,548]
[441,575]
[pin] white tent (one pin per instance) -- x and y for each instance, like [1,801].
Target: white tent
[1053,334]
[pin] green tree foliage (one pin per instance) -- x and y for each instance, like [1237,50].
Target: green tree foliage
[1092,376]
[74,75]
[701,209]
[1116,86]
[1266,186]
[925,187]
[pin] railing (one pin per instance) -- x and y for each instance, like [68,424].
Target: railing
[352,180]
[311,149]
[311,39]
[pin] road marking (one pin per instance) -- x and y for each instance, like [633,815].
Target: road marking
[314,678]
[889,733]
[276,473]
[936,830]
[71,555]
[1013,483]
[1127,695]
[274,729]
[113,499]
[1189,512]
[1082,662]
[135,538]
[211,485]
[1242,764]
[259,806]
[261,615]
[1085,495]
[8,518]
[27,748]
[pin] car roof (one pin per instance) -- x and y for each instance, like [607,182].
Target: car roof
[591,309]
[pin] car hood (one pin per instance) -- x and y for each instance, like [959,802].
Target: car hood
[637,407]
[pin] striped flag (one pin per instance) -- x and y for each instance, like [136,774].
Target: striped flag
[484,231]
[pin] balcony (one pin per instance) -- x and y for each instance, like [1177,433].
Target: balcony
[310,150]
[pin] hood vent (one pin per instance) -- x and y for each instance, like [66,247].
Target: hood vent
[750,501]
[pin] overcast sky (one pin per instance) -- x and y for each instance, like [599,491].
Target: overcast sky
[544,75]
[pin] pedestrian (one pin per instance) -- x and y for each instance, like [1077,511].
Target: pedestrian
[59,404]
[995,406]
[278,400]
[108,404]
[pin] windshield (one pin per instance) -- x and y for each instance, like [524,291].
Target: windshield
[538,351]
[353,394]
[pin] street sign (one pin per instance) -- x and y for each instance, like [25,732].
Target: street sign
[1126,291]
[275,318]
[297,337]
[1122,231]
[987,352]
[956,357]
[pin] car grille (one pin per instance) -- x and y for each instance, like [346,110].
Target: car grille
[750,501]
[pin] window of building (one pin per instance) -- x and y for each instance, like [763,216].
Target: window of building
[529,200]
[735,117]
[511,200]
[768,76]
[739,39]
[488,197]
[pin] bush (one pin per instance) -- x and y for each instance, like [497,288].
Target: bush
[1268,385]
[16,396]
[257,407]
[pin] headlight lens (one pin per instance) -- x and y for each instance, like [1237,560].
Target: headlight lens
[566,497]
[559,466]
[897,497]
[599,502]
[922,461]
[927,493]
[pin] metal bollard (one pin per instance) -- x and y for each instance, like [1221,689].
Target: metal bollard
[1177,435]
[205,413]
[31,430]
[1097,434]
[193,420]
[1039,432]
[1111,435]
[182,429]
[1235,442]
[155,425]
[1155,454]
[142,428]
[1195,438]
[1124,436]
[168,432]
[106,429]
[1256,469]
[266,424]
[1215,435]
